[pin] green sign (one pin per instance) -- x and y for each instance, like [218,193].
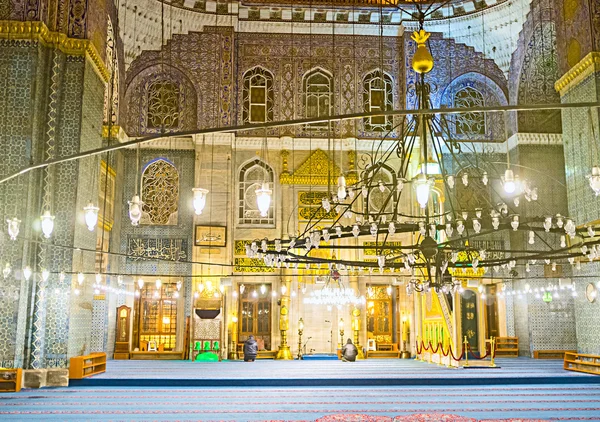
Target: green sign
[547,297]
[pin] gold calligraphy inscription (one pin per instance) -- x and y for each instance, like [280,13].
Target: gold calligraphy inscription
[168,249]
[374,248]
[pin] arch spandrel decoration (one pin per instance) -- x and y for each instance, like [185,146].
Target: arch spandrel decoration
[160,193]
[318,169]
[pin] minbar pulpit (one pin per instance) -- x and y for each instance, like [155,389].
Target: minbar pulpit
[123,334]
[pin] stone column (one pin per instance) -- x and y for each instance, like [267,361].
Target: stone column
[284,351]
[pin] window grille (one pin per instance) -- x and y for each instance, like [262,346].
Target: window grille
[469,123]
[378,96]
[163,105]
[318,91]
[160,193]
[258,96]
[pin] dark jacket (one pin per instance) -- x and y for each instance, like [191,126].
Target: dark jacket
[250,347]
[349,352]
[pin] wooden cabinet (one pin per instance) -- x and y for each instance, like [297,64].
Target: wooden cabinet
[590,364]
[507,347]
[86,366]
[10,380]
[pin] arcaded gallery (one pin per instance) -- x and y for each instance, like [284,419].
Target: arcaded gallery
[300,210]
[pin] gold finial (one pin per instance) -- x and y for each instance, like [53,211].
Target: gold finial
[422,60]
[284,161]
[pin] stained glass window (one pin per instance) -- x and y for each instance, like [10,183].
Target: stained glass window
[252,176]
[160,193]
[318,91]
[377,96]
[163,105]
[257,96]
[469,123]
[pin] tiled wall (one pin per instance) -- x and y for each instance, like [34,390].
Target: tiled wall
[581,153]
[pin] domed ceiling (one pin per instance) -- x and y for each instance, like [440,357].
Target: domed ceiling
[490,26]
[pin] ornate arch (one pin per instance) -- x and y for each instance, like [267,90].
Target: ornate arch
[384,180]
[317,94]
[485,92]
[144,101]
[160,192]
[258,97]
[378,94]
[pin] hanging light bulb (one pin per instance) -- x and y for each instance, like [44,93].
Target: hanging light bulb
[263,289]
[27,273]
[594,179]
[326,204]
[388,290]
[465,179]
[351,193]
[47,224]
[140,283]
[341,191]
[510,185]
[263,199]
[422,187]
[199,199]
[515,222]
[158,283]
[563,241]
[283,290]
[135,210]
[355,230]
[45,274]
[80,278]
[484,178]
[242,288]
[450,181]
[6,270]
[531,237]
[119,280]
[13,227]
[91,216]
[98,278]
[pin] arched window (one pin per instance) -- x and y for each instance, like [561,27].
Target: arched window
[318,91]
[378,96]
[252,176]
[160,193]
[381,198]
[163,105]
[258,96]
[469,123]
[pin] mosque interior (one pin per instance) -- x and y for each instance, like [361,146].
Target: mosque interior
[419,177]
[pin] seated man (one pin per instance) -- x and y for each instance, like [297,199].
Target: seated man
[250,349]
[349,352]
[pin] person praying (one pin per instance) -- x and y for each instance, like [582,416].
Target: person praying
[250,349]
[349,352]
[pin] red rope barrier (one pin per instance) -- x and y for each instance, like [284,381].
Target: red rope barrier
[475,357]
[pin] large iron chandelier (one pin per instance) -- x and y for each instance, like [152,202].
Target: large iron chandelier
[443,246]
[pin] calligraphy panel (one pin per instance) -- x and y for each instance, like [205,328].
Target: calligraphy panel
[166,249]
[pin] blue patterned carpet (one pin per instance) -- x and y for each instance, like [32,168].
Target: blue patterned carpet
[549,403]
[289,391]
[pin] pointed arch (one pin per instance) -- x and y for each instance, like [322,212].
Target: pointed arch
[160,192]
[317,87]
[378,96]
[257,95]
[251,176]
